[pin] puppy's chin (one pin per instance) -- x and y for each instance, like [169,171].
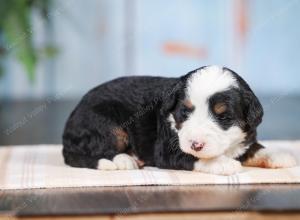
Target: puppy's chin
[208,156]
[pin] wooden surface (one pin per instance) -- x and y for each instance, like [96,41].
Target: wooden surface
[139,199]
[37,122]
[176,216]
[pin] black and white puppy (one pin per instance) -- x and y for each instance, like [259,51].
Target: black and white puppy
[205,121]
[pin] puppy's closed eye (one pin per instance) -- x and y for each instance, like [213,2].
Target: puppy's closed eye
[220,108]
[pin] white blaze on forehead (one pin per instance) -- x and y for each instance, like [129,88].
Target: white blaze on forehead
[208,81]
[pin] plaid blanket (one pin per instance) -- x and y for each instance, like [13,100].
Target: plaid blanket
[42,166]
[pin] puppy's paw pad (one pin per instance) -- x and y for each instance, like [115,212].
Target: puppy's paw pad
[105,164]
[280,160]
[125,162]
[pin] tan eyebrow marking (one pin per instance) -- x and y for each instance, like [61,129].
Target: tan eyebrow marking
[187,103]
[178,126]
[220,108]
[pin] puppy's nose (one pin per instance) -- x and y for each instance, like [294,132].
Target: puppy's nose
[196,146]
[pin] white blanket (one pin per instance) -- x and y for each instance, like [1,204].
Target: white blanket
[42,166]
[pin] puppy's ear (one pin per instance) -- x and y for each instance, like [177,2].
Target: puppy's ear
[170,98]
[175,93]
[253,111]
[169,102]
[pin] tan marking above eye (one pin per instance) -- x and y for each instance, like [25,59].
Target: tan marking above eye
[188,104]
[220,108]
[178,126]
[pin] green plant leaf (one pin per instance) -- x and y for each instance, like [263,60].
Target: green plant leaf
[1,70]
[18,33]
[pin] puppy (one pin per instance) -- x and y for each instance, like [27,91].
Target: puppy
[205,121]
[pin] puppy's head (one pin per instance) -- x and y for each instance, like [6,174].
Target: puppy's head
[216,113]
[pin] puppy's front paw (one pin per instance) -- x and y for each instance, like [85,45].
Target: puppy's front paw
[105,164]
[220,166]
[119,162]
[125,162]
[267,158]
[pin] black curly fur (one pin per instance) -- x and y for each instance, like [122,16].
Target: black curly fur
[138,107]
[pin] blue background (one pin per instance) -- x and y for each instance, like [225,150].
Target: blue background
[101,40]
